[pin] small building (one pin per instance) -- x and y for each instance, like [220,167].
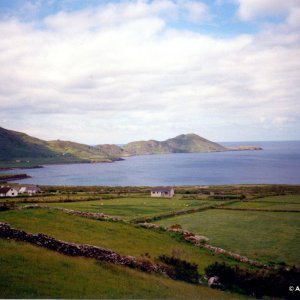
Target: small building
[8,192]
[164,192]
[33,189]
[30,190]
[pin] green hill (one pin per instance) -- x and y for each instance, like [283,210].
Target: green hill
[19,145]
[184,143]
[19,149]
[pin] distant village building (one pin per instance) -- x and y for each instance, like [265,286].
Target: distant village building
[162,192]
[8,192]
[33,189]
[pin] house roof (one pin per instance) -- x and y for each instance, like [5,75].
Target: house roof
[4,190]
[161,189]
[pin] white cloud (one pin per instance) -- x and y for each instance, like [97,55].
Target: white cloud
[119,72]
[250,9]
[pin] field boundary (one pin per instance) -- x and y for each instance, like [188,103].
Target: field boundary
[196,240]
[89,215]
[82,250]
[180,212]
[202,242]
[258,209]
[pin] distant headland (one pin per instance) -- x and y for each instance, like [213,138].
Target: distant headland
[19,150]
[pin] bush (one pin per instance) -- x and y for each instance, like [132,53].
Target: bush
[183,270]
[273,283]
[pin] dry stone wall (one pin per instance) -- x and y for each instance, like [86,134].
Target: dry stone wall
[197,240]
[202,241]
[84,250]
[90,215]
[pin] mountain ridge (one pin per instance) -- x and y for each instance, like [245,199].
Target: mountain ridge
[20,149]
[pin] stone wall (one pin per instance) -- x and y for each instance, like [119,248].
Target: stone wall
[71,249]
[197,240]
[90,215]
[202,241]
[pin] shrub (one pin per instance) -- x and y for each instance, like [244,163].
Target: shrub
[183,270]
[274,283]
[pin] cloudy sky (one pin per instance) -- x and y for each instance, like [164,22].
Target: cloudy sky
[117,71]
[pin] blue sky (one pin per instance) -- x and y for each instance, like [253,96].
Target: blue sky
[117,71]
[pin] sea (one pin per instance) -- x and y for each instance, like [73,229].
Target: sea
[277,163]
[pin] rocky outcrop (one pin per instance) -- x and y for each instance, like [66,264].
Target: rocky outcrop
[83,250]
[244,148]
[214,283]
[148,225]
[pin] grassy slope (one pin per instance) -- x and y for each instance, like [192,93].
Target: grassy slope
[31,272]
[81,151]
[265,236]
[182,143]
[123,238]
[20,146]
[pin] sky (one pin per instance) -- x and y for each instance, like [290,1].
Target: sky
[118,71]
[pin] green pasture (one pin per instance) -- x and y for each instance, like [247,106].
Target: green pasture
[265,236]
[288,202]
[280,199]
[123,238]
[130,207]
[31,272]
[56,198]
[267,205]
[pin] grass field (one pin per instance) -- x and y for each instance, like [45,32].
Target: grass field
[264,236]
[281,199]
[129,207]
[123,238]
[31,272]
[289,202]
[267,205]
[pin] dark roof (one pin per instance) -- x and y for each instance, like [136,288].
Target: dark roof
[161,189]
[4,190]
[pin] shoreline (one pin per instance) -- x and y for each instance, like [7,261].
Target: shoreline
[228,149]
[11,177]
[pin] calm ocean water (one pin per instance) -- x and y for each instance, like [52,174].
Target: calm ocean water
[279,162]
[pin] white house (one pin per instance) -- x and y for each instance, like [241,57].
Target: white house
[8,192]
[22,190]
[33,189]
[162,192]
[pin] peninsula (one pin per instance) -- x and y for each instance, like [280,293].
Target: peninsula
[18,149]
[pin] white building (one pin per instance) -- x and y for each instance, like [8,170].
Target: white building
[33,189]
[8,192]
[162,192]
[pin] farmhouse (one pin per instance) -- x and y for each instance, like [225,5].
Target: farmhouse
[33,189]
[8,192]
[162,192]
